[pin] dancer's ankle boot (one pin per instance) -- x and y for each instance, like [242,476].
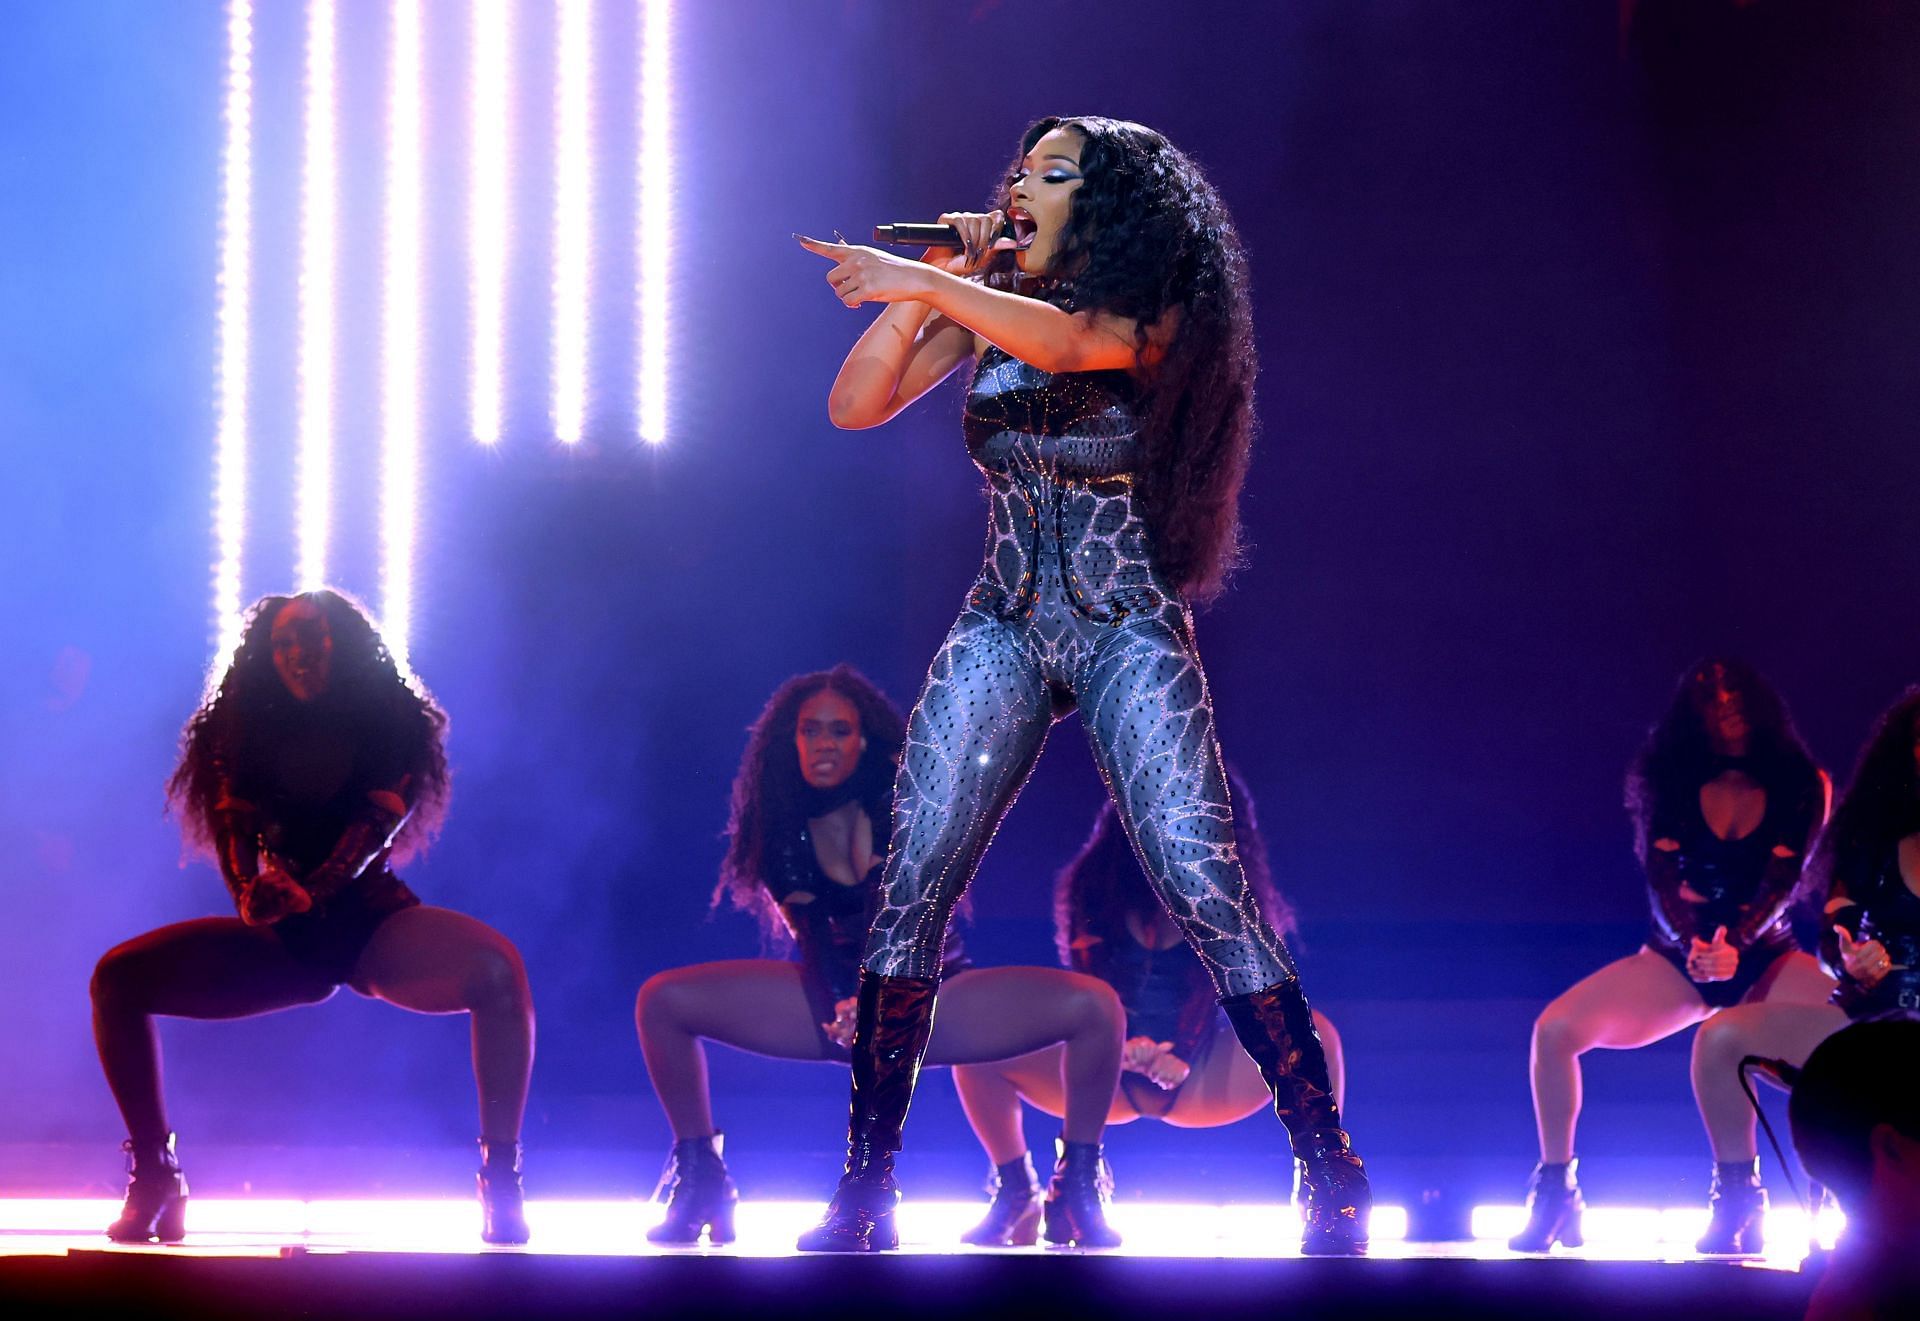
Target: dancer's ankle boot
[1737,1210]
[1275,1026]
[891,1027]
[1013,1217]
[503,1202]
[1077,1197]
[700,1194]
[1554,1208]
[156,1205]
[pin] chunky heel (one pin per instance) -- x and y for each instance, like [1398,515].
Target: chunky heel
[155,1210]
[700,1194]
[1013,1216]
[503,1200]
[1736,1212]
[1554,1210]
[1077,1197]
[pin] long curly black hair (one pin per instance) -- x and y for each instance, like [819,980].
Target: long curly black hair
[247,705]
[1881,804]
[769,792]
[1102,886]
[1678,757]
[1147,235]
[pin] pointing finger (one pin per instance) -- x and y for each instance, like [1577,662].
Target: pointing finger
[822,248]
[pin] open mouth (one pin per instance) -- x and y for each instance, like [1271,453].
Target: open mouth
[1021,227]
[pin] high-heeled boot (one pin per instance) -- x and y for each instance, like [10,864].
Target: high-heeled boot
[700,1194]
[890,1030]
[1013,1216]
[156,1205]
[1554,1208]
[1275,1026]
[503,1202]
[1077,1197]
[1736,1210]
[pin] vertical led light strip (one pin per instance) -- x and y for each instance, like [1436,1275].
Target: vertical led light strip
[655,229]
[236,225]
[400,334]
[318,240]
[572,217]
[492,91]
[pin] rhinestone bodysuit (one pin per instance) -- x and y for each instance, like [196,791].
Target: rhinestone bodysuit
[1068,613]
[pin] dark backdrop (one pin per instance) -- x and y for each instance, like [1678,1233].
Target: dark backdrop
[1581,356]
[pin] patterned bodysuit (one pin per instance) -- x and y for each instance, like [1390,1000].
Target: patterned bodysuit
[1068,613]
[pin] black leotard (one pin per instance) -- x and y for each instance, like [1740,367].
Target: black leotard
[1745,884]
[1168,996]
[307,769]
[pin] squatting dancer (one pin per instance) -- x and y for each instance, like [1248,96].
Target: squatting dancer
[811,807]
[310,767]
[1110,411]
[1725,800]
[1869,861]
[1178,1066]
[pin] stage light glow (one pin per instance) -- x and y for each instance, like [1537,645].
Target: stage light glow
[655,228]
[400,334]
[572,216]
[489,220]
[319,208]
[235,291]
[618,1226]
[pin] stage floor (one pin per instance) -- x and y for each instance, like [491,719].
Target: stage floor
[377,1259]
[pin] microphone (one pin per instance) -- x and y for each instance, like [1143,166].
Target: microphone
[905,234]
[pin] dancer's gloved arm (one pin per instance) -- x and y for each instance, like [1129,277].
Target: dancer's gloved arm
[1785,863]
[1777,883]
[236,842]
[1674,916]
[367,838]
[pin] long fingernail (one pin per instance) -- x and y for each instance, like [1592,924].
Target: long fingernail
[839,236]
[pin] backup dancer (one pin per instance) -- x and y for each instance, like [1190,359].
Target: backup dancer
[312,765]
[811,809]
[1869,861]
[1725,800]
[1110,412]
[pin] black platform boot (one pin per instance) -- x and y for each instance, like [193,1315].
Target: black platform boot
[890,1032]
[1077,1197]
[1554,1208]
[1737,1210]
[503,1202]
[156,1205]
[1275,1026]
[1013,1217]
[700,1194]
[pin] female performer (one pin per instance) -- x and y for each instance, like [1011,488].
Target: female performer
[1725,800]
[1869,861]
[311,766]
[1178,1065]
[811,809]
[1111,413]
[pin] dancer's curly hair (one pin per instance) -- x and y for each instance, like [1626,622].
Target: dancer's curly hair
[769,791]
[247,709]
[1147,235]
[1103,885]
[1677,757]
[1881,804]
